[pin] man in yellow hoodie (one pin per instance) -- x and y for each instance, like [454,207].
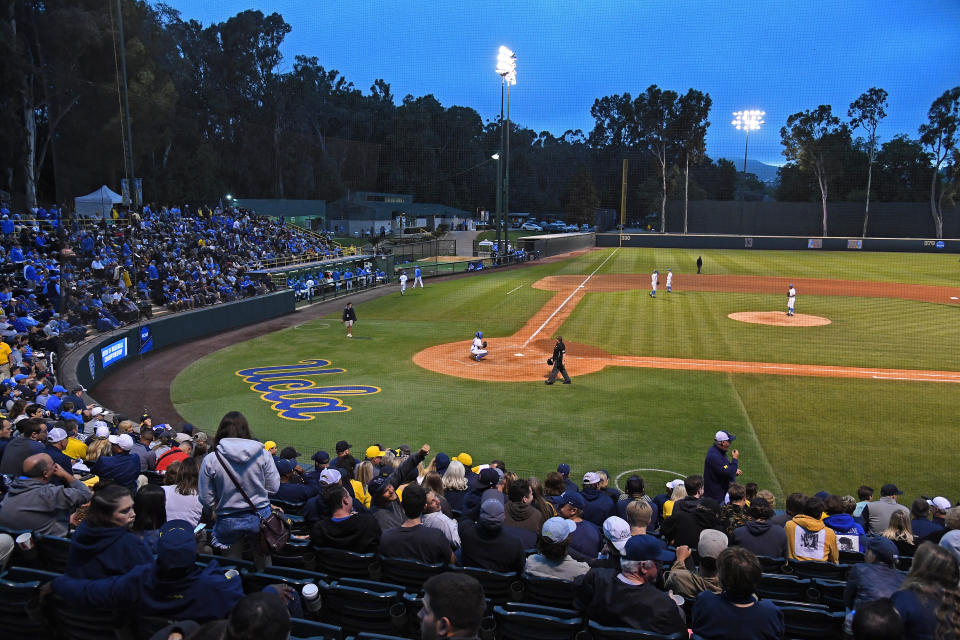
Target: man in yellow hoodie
[808,538]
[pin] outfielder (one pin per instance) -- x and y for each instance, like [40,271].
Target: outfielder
[669,280]
[479,347]
[403,282]
[417,278]
[654,277]
[791,300]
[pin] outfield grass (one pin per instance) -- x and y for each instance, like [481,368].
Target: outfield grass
[795,433]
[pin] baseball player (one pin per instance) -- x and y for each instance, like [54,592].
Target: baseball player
[349,317]
[417,277]
[791,300]
[403,282]
[654,277]
[669,280]
[478,348]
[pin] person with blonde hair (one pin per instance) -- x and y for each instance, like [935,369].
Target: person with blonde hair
[98,448]
[363,474]
[901,532]
[455,484]
[679,493]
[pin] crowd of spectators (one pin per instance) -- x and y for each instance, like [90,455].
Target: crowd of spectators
[667,561]
[62,277]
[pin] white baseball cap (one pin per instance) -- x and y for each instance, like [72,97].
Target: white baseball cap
[591,477]
[95,411]
[673,484]
[724,436]
[617,531]
[103,431]
[940,503]
[56,435]
[123,441]
[184,437]
[329,476]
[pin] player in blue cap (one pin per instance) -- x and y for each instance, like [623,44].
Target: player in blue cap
[479,347]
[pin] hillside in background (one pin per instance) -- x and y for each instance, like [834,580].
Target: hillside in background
[765,172]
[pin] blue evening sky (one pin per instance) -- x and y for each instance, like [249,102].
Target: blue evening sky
[778,56]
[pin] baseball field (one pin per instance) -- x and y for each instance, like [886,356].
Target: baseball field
[861,386]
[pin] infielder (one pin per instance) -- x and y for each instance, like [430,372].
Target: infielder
[791,300]
[654,277]
[669,280]
[478,348]
[417,278]
[403,282]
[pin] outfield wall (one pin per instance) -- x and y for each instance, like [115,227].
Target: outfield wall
[788,243]
[555,244]
[85,364]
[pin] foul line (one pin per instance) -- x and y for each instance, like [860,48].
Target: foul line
[512,290]
[573,293]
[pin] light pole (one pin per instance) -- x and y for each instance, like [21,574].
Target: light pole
[507,70]
[749,120]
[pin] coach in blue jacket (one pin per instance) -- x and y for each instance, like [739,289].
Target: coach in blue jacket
[718,470]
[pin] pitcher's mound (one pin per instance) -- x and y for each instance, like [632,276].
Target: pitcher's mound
[779,319]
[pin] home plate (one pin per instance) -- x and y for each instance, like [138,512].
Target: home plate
[519,355]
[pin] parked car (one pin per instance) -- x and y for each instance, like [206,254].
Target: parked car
[530,226]
[572,228]
[585,228]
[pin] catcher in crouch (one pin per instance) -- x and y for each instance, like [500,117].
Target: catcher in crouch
[479,347]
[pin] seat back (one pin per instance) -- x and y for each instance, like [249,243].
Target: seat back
[294,555]
[235,563]
[830,593]
[522,621]
[851,557]
[813,623]
[776,587]
[410,573]
[357,609]
[72,623]
[256,581]
[289,508]
[498,586]
[344,564]
[772,565]
[53,552]
[817,569]
[601,632]
[551,592]
[16,594]
[303,629]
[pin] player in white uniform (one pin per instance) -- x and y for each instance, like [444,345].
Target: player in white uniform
[669,280]
[479,347]
[791,300]
[653,283]
[403,282]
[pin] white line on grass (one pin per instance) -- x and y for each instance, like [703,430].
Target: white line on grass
[557,310]
[512,290]
[616,481]
[915,380]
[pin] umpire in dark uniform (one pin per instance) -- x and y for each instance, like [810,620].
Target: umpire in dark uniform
[559,350]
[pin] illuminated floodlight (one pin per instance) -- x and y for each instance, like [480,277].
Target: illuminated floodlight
[748,120]
[507,65]
[495,156]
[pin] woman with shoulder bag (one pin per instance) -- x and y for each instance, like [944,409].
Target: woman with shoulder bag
[235,480]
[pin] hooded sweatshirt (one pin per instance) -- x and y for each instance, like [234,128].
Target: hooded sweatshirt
[252,466]
[40,506]
[762,538]
[359,533]
[100,552]
[599,506]
[809,539]
[522,516]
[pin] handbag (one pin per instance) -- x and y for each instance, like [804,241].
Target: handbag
[274,530]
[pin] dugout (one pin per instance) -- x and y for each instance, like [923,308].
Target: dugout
[556,243]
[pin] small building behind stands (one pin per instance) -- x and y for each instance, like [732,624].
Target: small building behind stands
[362,213]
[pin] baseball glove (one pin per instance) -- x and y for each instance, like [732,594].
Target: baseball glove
[550,361]
[484,344]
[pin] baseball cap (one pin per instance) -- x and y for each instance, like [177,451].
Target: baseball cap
[95,411]
[187,428]
[403,450]
[489,477]
[184,437]
[343,445]
[724,436]
[466,459]
[59,389]
[890,489]
[321,456]
[951,542]
[176,546]
[19,377]
[572,498]
[373,451]
[558,529]
[123,441]
[289,453]
[269,444]
[102,432]
[940,503]
[56,435]
[644,547]
[491,513]
[378,485]
[712,542]
[329,476]
[591,477]
[145,416]
[563,469]
[442,461]
[617,531]
[673,484]
[284,466]
[883,548]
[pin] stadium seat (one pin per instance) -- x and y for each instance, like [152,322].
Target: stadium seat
[830,593]
[295,554]
[550,592]
[153,477]
[600,632]
[257,581]
[303,629]
[814,623]
[53,552]
[345,564]
[231,563]
[498,587]
[82,624]
[815,569]
[851,557]
[410,573]
[904,563]
[377,636]
[289,508]
[371,608]
[776,587]
[17,589]
[771,565]
[521,621]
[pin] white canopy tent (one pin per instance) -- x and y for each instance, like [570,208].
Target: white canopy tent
[97,204]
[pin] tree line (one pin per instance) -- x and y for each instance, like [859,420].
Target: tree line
[213,113]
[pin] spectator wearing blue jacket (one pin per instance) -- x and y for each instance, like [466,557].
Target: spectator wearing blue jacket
[598,506]
[718,470]
[840,519]
[122,467]
[588,537]
[103,545]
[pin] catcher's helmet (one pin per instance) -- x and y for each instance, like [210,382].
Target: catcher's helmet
[479,334]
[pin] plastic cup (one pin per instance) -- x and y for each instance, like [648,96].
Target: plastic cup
[25,541]
[232,573]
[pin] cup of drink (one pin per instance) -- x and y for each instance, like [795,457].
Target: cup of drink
[25,541]
[232,573]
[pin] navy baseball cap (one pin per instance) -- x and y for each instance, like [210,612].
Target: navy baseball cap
[284,466]
[378,485]
[343,445]
[488,477]
[572,498]
[644,547]
[563,468]
[321,456]
[442,461]
[177,545]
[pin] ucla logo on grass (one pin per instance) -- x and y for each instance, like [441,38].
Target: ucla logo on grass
[294,396]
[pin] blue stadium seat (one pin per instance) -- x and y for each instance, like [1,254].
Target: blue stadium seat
[257,581]
[830,593]
[600,632]
[410,573]
[498,586]
[550,592]
[776,587]
[368,607]
[295,554]
[812,623]
[53,551]
[345,564]
[816,569]
[289,508]
[227,563]
[851,557]
[303,629]
[522,621]
[772,565]
[84,624]
[17,588]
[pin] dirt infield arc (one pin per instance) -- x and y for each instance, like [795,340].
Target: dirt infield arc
[522,356]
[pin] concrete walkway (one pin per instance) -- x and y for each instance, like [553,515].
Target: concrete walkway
[464,241]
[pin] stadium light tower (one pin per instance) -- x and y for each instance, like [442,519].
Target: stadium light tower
[749,120]
[507,70]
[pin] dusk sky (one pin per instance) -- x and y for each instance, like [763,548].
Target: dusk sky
[781,57]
